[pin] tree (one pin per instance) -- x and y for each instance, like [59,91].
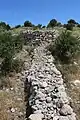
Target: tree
[78,25]
[69,26]
[17,26]
[8,27]
[28,24]
[44,26]
[52,23]
[5,26]
[39,26]
[59,24]
[66,46]
[71,21]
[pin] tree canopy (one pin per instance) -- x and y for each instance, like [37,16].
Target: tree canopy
[52,23]
[28,24]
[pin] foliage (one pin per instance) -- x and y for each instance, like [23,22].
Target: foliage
[78,25]
[18,43]
[9,45]
[66,46]
[28,24]
[6,65]
[52,23]
[8,27]
[6,45]
[69,26]
[39,26]
[59,24]
[35,27]
[44,26]
[5,26]
[17,26]
[71,21]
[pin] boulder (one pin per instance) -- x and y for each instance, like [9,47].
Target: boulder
[66,110]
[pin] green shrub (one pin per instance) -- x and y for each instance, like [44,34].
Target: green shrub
[6,65]
[10,65]
[28,24]
[39,26]
[35,27]
[5,26]
[17,65]
[9,45]
[72,21]
[78,25]
[17,26]
[52,23]
[6,45]
[69,26]
[44,26]
[59,24]
[65,46]
[18,43]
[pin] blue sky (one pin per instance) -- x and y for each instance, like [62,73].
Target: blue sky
[38,11]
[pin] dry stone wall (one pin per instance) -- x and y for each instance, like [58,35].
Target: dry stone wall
[48,98]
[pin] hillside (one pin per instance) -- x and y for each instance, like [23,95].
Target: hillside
[42,87]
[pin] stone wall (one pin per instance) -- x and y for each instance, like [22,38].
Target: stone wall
[47,98]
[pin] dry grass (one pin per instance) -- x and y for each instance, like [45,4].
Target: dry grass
[3,105]
[9,99]
[7,102]
[71,72]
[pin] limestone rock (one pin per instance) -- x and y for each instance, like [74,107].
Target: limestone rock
[48,99]
[63,118]
[44,84]
[56,118]
[12,110]
[66,110]
[36,116]
[72,117]
[55,71]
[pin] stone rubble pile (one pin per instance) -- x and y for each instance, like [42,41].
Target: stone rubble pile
[48,98]
[36,37]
